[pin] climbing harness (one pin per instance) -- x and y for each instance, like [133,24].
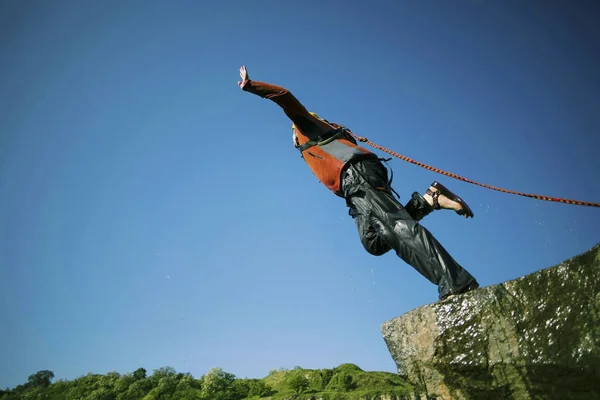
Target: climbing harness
[385,160]
[451,175]
[321,140]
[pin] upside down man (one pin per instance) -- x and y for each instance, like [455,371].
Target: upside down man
[357,175]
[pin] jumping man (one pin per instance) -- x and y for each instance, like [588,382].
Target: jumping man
[357,175]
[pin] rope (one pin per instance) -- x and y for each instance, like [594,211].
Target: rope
[451,175]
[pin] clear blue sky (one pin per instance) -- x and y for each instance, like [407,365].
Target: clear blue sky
[152,214]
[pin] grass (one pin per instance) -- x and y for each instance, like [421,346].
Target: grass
[345,382]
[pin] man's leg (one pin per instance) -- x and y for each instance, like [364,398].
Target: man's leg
[418,207]
[369,231]
[412,242]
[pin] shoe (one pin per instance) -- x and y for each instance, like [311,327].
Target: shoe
[443,190]
[471,286]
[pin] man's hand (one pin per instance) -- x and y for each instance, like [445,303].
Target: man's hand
[244,76]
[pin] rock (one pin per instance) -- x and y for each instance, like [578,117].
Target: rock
[535,337]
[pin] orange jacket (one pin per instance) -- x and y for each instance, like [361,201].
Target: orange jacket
[326,160]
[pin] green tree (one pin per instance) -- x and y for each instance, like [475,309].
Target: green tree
[298,382]
[218,385]
[32,393]
[188,388]
[217,380]
[163,372]
[258,388]
[239,389]
[137,390]
[122,384]
[167,385]
[139,373]
[101,394]
[347,382]
[58,390]
[342,381]
[41,378]
[326,375]
[113,375]
[84,386]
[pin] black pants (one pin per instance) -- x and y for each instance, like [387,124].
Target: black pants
[384,224]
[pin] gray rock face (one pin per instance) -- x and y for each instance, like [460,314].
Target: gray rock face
[536,337]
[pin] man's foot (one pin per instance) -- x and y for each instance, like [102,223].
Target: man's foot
[439,197]
[471,286]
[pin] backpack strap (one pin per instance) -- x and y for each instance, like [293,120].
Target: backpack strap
[385,160]
[323,139]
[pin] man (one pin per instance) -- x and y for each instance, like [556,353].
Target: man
[357,175]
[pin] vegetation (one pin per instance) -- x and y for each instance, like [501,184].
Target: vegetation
[344,382]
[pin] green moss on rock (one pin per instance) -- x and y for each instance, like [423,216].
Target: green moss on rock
[533,337]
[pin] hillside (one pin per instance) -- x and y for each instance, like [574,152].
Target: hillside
[345,382]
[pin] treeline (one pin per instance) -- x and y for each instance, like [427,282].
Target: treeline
[164,384]
[346,381]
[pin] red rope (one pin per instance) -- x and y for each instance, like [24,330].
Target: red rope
[451,175]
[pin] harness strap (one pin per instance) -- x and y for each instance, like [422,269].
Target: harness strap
[385,160]
[323,139]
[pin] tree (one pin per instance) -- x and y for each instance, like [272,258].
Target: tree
[326,375]
[347,382]
[164,372]
[218,385]
[139,373]
[58,390]
[41,378]
[217,380]
[33,393]
[239,389]
[298,382]
[123,383]
[343,381]
[187,388]
[167,385]
[258,388]
[113,375]
[101,394]
[136,390]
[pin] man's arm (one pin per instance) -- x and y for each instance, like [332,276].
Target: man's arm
[281,96]
[296,112]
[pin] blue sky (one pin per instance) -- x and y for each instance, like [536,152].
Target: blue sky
[152,214]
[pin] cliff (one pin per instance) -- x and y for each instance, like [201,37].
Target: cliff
[536,337]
